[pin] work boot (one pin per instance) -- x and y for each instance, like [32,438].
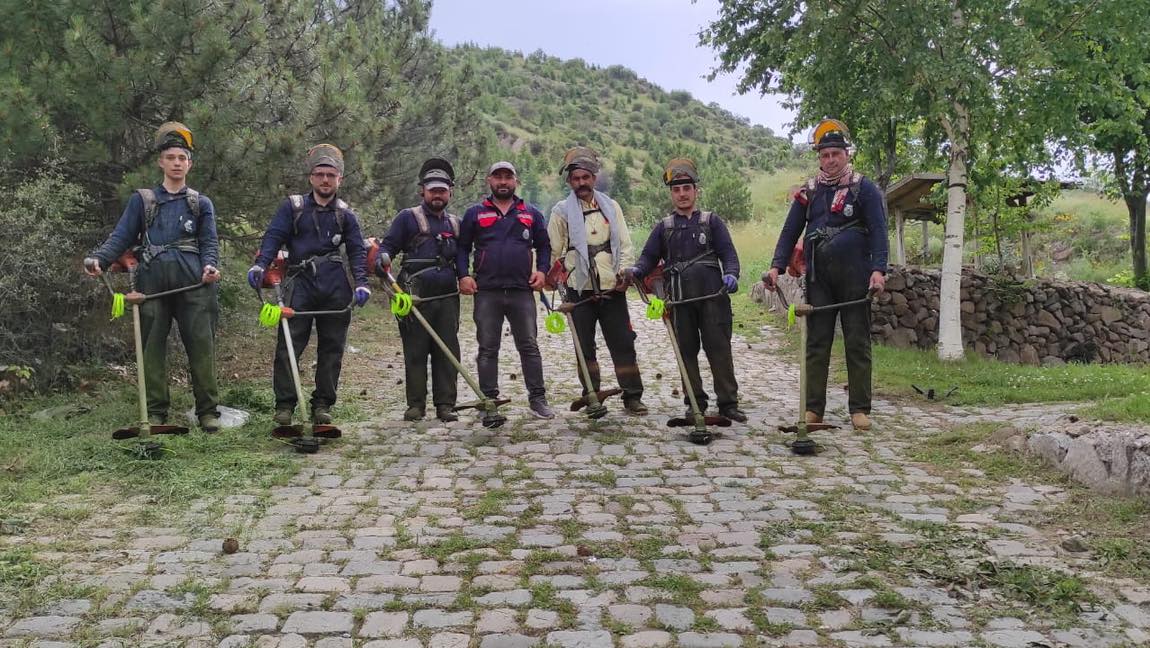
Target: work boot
[734,413]
[283,415]
[811,417]
[860,421]
[157,419]
[413,413]
[321,416]
[635,407]
[210,423]
[445,413]
[540,409]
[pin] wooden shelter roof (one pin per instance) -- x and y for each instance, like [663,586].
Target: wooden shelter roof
[907,195]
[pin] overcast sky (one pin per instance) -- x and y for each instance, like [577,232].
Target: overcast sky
[658,39]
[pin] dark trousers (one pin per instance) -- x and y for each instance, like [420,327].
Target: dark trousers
[196,313]
[518,307]
[707,322]
[615,322]
[331,337]
[418,347]
[839,282]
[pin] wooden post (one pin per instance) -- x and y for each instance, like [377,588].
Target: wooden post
[900,245]
[925,240]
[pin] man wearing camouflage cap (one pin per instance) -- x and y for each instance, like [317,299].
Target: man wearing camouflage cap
[845,249]
[426,235]
[591,240]
[313,228]
[699,261]
[173,230]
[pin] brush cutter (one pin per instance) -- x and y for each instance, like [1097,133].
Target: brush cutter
[803,444]
[555,323]
[658,308]
[142,430]
[304,438]
[404,304]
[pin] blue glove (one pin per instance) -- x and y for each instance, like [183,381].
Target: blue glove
[255,276]
[730,283]
[361,295]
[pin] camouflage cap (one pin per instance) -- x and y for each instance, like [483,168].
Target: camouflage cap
[172,135]
[680,171]
[325,155]
[580,157]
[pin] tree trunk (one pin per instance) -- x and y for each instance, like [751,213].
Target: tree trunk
[950,299]
[1136,205]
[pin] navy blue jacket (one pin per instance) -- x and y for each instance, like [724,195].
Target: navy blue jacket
[865,248]
[503,244]
[401,237]
[174,221]
[683,245]
[318,229]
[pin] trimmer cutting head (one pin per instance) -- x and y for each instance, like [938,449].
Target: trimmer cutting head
[601,395]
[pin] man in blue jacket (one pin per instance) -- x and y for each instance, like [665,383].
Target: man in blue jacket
[313,227]
[699,260]
[845,249]
[173,228]
[427,235]
[503,230]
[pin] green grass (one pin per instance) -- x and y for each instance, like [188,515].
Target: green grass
[982,381]
[1134,408]
[44,459]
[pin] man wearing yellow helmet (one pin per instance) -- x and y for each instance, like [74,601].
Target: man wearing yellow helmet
[699,261]
[845,249]
[173,229]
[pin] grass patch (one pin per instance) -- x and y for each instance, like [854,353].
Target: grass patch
[491,503]
[983,381]
[1132,408]
[683,589]
[953,450]
[77,455]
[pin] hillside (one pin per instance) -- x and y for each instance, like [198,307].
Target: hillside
[537,106]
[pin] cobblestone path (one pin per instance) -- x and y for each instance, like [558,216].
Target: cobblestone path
[570,533]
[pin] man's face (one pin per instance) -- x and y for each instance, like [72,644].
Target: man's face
[325,181]
[437,198]
[175,163]
[832,160]
[582,182]
[684,197]
[502,183]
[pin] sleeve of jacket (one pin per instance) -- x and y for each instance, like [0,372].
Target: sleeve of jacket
[356,249]
[626,245]
[398,234]
[873,208]
[792,230]
[278,233]
[541,241]
[725,247]
[209,242]
[652,251]
[124,235]
[466,241]
[557,231]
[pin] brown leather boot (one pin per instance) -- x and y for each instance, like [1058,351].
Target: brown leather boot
[811,417]
[860,421]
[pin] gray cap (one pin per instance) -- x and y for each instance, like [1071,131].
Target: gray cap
[437,179]
[502,164]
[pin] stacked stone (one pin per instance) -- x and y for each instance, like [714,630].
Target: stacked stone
[1026,321]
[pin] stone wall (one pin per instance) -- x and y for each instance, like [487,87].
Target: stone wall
[1032,322]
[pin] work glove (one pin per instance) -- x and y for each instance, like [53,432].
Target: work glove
[730,282]
[362,294]
[255,276]
[92,266]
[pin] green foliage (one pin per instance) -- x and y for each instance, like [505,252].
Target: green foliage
[728,196]
[42,324]
[257,83]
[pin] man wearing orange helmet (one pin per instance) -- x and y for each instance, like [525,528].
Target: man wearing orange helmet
[172,228]
[845,249]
